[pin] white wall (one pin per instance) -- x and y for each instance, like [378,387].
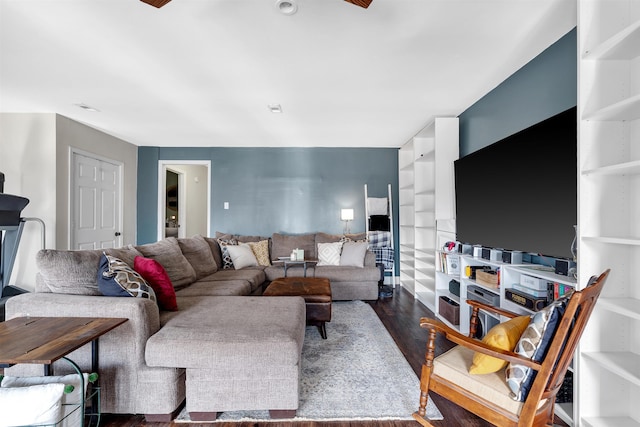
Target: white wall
[196,187]
[27,158]
[34,156]
[70,133]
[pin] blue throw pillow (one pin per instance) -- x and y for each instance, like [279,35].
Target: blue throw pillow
[534,344]
[117,279]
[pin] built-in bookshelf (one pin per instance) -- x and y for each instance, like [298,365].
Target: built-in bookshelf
[426,195]
[608,358]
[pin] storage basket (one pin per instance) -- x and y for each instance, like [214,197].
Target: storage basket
[450,310]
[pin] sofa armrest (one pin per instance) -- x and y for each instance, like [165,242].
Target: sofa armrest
[128,340]
[369,259]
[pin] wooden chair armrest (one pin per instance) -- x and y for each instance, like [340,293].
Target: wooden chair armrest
[492,309]
[476,345]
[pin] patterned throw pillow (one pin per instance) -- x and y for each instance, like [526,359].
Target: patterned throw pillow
[117,279]
[261,251]
[329,253]
[534,343]
[227,261]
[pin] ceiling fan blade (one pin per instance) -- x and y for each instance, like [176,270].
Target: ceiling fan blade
[156,3]
[361,3]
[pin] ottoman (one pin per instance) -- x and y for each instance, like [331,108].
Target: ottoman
[239,352]
[316,293]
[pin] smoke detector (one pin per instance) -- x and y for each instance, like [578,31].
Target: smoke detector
[288,7]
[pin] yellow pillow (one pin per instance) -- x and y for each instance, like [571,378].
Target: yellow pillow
[504,336]
[261,251]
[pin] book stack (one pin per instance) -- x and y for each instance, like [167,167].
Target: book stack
[450,263]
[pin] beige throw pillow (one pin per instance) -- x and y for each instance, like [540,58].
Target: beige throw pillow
[261,251]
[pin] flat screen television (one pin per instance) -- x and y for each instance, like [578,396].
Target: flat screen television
[520,193]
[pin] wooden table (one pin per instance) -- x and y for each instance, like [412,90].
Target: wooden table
[43,340]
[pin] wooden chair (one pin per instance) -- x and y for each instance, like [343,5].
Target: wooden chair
[498,407]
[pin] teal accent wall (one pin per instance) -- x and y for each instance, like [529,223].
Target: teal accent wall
[544,87]
[288,190]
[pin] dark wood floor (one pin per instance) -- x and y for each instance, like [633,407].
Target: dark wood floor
[401,316]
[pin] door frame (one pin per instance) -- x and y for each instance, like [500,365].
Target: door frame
[163,165]
[71,192]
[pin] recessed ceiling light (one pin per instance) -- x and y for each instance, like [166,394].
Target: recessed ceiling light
[288,7]
[275,108]
[87,107]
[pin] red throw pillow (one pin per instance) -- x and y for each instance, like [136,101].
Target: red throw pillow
[154,273]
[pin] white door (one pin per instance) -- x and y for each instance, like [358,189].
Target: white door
[95,203]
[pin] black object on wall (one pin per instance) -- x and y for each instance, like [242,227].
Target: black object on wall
[520,193]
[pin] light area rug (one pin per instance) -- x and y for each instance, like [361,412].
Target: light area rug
[357,373]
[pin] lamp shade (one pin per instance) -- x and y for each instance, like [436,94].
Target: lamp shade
[346,214]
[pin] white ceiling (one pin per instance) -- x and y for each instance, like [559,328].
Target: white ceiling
[202,72]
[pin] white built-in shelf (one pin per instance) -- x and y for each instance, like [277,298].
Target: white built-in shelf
[628,109]
[426,157]
[625,45]
[565,412]
[628,307]
[613,240]
[611,422]
[628,168]
[622,363]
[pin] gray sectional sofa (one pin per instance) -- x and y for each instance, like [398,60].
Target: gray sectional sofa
[225,348]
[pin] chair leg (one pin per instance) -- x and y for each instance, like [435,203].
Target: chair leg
[421,420]
[425,376]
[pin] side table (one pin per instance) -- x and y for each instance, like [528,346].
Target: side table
[43,340]
[288,263]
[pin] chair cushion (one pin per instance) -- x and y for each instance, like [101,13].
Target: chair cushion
[454,367]
[534,343]
[504,336]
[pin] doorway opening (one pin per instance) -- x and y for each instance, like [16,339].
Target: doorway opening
[184,208]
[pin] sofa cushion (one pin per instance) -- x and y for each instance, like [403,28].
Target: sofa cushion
[216,288]
[70,272]
[155,274]
[116,279]
[242,256]
[327,238]
[254,275]
[215,250]
[197,251]
[283,244]
[353,254]
[167,252]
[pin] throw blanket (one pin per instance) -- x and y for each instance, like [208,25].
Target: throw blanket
[384,256]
